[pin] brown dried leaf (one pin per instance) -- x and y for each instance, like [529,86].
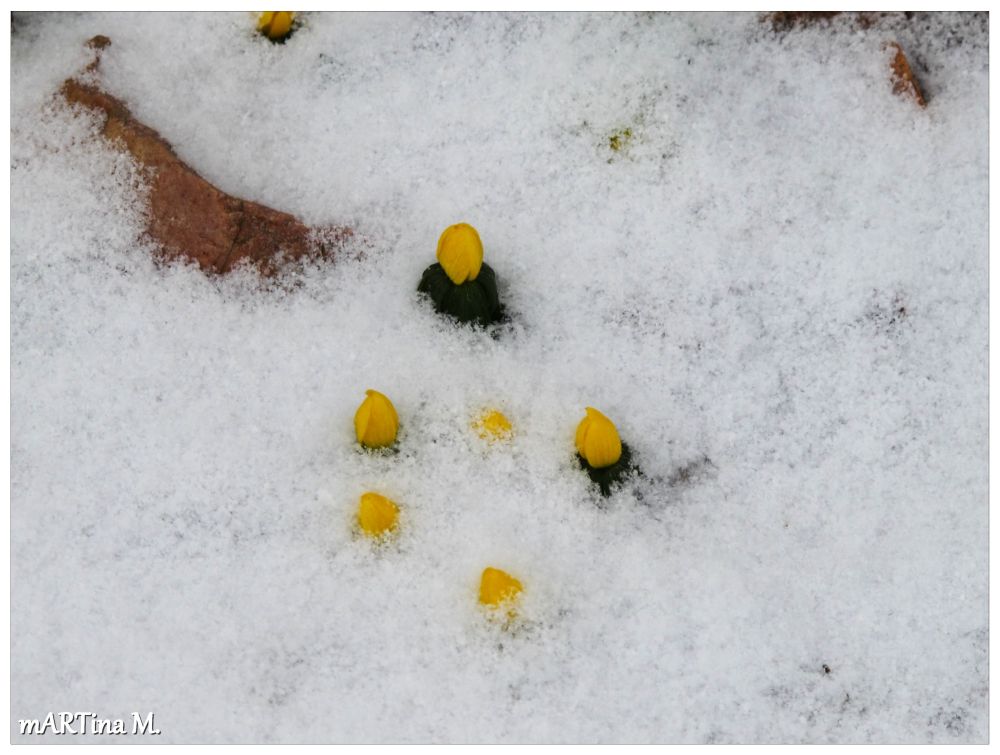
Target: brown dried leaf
[903,80]
[191,218]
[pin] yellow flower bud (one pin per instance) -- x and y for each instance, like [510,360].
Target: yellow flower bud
[377,515]
[275,24]
[497,587]
[492,425]
[597,440]
[460,252]
[376,422]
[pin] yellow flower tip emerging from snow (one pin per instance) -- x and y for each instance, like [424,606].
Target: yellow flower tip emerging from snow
[492,425]
[497,587]
[460,252]
[377,515]
[376,422]
[597,440]
[275,24]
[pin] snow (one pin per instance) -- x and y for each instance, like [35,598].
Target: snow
[778,283]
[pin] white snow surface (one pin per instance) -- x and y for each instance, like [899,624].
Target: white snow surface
[779,283]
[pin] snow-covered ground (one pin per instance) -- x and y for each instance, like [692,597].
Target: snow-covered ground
[777,283]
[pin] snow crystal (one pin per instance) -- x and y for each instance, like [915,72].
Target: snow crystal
[738,244]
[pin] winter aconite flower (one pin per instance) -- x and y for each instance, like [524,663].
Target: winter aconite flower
[498,587]
[460,284]
[377,515]
[492,425]
[376,422]
[460,252]
[597,440]
[275,24]
[606,459]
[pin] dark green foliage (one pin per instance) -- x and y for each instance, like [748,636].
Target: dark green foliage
[473,302]
[607,477]
[296,23]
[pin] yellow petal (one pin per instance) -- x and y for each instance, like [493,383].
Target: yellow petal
[581,435]
[361,419]
[597,440]
[377,515]
[376,422]
[497,587]
[492,425]
[460,252]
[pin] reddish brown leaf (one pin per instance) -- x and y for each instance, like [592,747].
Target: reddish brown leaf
[188,216]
